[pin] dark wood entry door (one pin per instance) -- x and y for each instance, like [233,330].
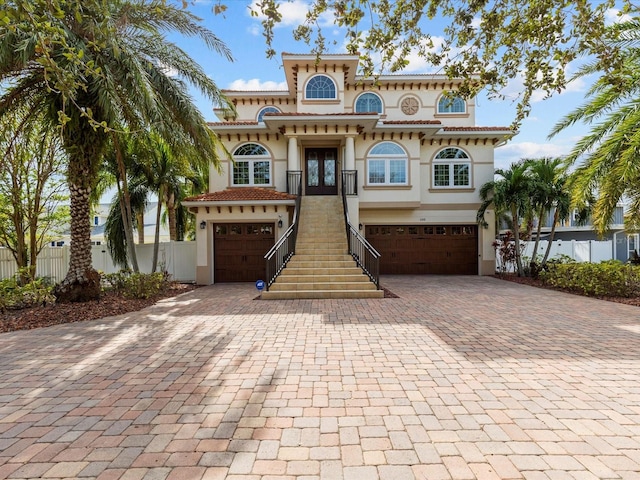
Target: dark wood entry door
[321,165]
[239,250]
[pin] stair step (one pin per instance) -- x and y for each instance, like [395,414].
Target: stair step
[321,271]
[321,294]
[322,266]
[288,277]
[288,287]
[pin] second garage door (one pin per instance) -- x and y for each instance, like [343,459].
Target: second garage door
[420,249]
[239,250]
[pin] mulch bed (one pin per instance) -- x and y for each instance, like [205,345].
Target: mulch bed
[536,282]
[112,304]
[108,305]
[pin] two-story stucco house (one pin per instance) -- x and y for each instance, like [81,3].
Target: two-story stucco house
[405,147]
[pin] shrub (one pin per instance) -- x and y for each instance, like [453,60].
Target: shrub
[136,285]
[16,296]
[610,278]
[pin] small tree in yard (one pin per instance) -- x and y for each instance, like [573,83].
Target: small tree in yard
[31,190]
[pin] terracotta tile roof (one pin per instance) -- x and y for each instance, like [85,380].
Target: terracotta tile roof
[308,114]
[242,194]
[412,122]
[476,129]
[289,54]
[211,124]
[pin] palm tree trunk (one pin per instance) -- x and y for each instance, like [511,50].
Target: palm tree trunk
[156,241]
[538,231]
[125,207]
[82,282]
[140,222]
[516,239]
[171,214]
[552,234]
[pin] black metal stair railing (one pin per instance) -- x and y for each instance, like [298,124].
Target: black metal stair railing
[276,258]
[367,257]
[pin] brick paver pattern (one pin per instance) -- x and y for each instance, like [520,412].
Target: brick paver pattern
[459,378]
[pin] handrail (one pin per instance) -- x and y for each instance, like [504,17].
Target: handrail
[278,256]
[367,257]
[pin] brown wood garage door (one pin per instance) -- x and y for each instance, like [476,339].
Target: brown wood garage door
[239,250]
[420,249]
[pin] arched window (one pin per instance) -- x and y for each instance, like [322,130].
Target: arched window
[320,87]
[368,102]
[266,110]
[451,168]
[387,165]
[252,165]
[448,104]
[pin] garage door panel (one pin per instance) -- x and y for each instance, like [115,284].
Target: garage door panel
[420,249]
[239,250]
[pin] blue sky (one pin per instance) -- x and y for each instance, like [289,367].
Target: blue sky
[251,70]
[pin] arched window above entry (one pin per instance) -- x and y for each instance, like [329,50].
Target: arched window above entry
[321,87]
[266,110]
[252,165]
[368,102]
[387,164]
[448,104]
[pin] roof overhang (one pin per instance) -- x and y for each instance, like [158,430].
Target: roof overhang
[311,122]
[498,136]
[326,63]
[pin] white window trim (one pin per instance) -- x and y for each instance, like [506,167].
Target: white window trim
[387,168]
[251,160]
[335,88]
[265,108]
[440,112]
[355,105]
[450,164]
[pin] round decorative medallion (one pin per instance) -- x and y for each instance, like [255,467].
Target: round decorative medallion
[409,106]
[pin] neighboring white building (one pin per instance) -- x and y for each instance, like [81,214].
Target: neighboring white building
[413,159]
[99,218]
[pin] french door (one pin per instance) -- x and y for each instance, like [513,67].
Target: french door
[321,166]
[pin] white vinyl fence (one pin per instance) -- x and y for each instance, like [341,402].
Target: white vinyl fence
[177,258]
[579,250]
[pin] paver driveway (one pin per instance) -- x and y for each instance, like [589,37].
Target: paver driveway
[460,377]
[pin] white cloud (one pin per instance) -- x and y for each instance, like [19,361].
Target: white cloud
[613,15]
[293,13]
[255,84]
[515,151]
[515,87]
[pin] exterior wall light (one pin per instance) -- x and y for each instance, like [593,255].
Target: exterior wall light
[203,225]
[279,221]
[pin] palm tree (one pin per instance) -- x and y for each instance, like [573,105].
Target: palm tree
[610,154]
[93,68]
[154,166]
[549,193]
[509,193]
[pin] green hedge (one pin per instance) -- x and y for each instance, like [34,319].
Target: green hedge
[136,285]
[14,296]
[610,278]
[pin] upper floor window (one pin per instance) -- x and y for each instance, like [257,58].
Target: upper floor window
[387,165]
[452,168]
[369,102]
[252,165]
[321,87]
[266,110]
[448,104]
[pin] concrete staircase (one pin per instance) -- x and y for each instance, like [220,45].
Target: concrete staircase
[322,267]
